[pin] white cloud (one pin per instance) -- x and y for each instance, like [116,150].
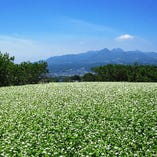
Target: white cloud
[125,37]
[76,26]
[24,49]
[89,27]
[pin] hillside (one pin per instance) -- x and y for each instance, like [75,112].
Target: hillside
[82,63]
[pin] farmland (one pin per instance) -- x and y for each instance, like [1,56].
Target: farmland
[79,119]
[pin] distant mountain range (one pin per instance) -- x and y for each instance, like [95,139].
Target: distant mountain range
[79,64]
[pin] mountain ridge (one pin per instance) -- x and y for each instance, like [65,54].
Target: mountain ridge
[79,64]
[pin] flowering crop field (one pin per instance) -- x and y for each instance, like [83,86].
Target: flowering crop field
[79,119]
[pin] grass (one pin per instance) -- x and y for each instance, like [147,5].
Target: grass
[79,119]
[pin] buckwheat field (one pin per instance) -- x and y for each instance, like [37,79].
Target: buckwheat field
[79,119]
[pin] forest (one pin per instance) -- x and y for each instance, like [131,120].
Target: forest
[20,74]
[118,72]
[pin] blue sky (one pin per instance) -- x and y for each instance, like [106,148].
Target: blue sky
[37,29]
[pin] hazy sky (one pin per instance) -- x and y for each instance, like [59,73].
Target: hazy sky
[37,29]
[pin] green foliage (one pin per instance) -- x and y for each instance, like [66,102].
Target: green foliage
[75,78]
[6,69]
[32,72]
[79,119]
[131,73]
[89,77]
[18,74]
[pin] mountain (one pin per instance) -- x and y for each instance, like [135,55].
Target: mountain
[79,64]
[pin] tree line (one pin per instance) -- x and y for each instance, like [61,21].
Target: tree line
[32,73]
[20,74]
[118,72]
[114,72]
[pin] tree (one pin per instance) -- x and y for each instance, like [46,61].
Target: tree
[75,78]
[32,72]
[89,77]
[19,74]
[6,69]
[131,73]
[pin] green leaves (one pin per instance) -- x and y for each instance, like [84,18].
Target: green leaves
[20,74]
[79,119]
